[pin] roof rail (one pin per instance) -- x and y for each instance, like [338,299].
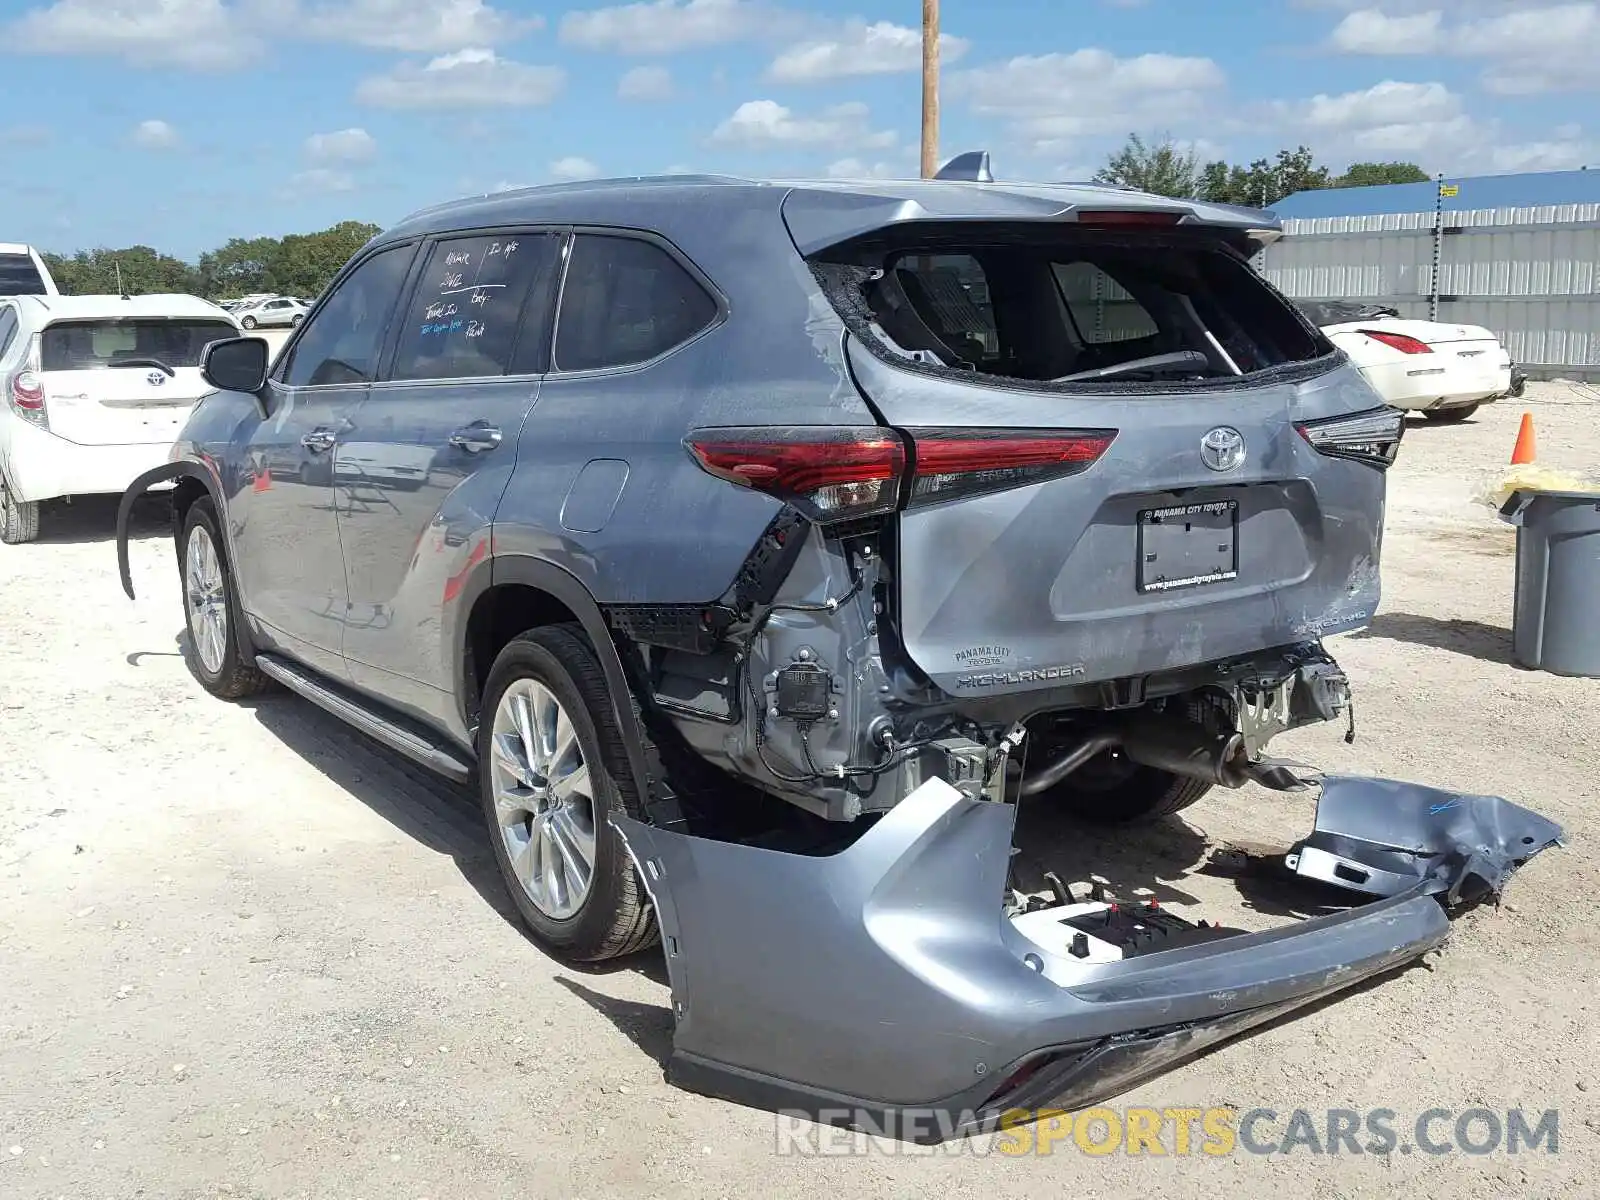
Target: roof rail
[972,167]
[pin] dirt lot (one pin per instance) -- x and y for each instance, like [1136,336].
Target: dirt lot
[245,953]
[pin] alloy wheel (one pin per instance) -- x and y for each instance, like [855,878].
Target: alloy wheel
[543,798]
[205,597]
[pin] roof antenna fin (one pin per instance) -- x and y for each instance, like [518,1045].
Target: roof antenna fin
[971,167]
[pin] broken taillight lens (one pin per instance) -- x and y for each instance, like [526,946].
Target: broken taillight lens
[949,463]
[826,473]
[1371,437]
[1398,341]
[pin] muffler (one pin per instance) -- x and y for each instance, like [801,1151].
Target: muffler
[1176,746]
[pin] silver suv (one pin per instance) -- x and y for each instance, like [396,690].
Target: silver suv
[755,547]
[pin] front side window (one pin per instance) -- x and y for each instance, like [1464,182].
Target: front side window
[474,300]
[625,301]
[128,341]
[341,343]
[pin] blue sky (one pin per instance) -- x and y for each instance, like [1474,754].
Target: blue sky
[181,123]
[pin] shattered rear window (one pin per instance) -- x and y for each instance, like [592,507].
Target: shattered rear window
[1053,306]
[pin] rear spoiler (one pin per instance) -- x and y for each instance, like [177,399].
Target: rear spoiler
[823,216]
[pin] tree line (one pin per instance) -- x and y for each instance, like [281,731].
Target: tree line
[1168,168]
[301,264]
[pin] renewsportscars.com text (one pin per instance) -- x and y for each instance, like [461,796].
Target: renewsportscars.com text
[1176,1132]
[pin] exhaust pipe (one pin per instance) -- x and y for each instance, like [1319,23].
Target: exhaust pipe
[1176,746]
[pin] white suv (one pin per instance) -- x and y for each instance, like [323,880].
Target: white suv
[93,390]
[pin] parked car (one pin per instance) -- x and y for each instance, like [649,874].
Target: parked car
[755,512]
[96,388]
[1443,370]
[23,272]
[277,312]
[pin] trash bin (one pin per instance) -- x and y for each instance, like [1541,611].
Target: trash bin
[1555,624]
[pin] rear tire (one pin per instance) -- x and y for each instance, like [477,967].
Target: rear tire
[294,321]
[1449,416]
[1112,791]
[248,322]
[548,685]
[211,610]
[19,519]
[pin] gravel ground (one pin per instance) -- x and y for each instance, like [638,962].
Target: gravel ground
[243,952]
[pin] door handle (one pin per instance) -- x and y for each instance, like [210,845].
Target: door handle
[319,440]
[476,438]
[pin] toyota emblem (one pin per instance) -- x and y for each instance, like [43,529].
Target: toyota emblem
[156,378]
[1222,449]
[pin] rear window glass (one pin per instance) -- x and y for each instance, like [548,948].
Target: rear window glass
[92,345]
[19,277]
[1064,307]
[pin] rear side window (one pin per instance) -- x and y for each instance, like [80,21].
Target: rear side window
[341,341]
[476,297]
[1057,306]
[625,301]
[130,341]
[8,328]
[19,277]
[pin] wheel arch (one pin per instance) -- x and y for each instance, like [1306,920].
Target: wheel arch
[507,595]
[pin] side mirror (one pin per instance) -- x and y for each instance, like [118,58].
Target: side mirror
[236,364]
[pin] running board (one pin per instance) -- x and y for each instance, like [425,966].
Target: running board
[414,746]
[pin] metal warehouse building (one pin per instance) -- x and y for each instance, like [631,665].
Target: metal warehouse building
[1517,253]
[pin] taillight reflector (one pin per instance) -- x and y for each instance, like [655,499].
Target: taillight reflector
[828,474]
[27,391]
[961,462]
[1398,341]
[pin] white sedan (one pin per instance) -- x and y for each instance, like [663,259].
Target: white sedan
[1440,369]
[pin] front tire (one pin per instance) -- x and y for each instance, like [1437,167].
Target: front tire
[211,610]
[19,519]
[1449,416]
[248,322]
[553,767]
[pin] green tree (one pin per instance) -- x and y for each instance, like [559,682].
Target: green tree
[306,262]
[238,268]
[1163,169]
[142,269]
[1374,174]
[1265,181]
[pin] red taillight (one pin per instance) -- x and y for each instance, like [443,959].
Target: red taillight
[828,474]
[27,391]
[960,462]
[1398,341]
[1128,217]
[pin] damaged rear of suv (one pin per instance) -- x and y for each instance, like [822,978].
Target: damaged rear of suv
[763,546]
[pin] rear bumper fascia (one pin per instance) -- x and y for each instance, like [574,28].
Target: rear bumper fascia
[883,986]
[39,465]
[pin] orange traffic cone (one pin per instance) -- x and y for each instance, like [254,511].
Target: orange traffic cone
[1527,443]
[263,480]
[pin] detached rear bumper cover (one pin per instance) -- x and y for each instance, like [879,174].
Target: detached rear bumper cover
[886,981]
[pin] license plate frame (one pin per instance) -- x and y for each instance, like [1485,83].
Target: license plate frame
[1184,546]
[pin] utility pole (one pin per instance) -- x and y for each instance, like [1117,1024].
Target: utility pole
[930,88]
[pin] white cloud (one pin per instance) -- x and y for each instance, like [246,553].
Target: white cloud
[154,135]
[1053,100]
[667,26]
[763,124]
[646,83]
[573,168]
[341,146]
[406,26]
[196,34]
[881,48]
[472,78]
[1526,50]
[1429,124]
[321,181]
[1371,31]
[854,168]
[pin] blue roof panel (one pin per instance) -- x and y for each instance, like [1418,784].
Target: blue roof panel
[1473,191]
